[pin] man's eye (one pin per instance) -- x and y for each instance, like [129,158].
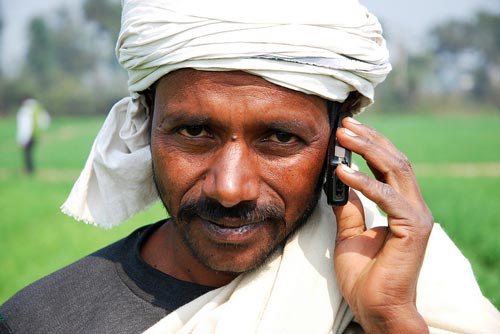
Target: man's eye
[282,137]
[193,131]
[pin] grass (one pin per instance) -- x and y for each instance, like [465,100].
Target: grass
[36,239]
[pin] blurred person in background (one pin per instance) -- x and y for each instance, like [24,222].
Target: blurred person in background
[32,118]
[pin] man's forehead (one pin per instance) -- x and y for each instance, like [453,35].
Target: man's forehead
[203,97]
[192,82]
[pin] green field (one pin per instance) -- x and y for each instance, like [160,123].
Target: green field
[456,159]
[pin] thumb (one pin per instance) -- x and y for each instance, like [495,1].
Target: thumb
[350,218]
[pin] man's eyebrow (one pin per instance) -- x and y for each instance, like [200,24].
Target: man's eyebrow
[186,117]
[296,125]
[288,125]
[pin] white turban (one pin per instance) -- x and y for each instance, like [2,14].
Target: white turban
[327,48]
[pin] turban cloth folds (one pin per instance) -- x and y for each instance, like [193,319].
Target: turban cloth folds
[327,48]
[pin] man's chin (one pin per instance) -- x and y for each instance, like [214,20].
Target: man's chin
[240,263]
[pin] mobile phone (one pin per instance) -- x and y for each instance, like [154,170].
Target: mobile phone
[337,193]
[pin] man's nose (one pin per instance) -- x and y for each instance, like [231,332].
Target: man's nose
[233,176]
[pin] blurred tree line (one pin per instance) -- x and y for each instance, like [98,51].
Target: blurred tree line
[70,64]
[459,66]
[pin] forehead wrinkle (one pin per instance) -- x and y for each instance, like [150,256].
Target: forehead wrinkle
[229,83]
[288,125]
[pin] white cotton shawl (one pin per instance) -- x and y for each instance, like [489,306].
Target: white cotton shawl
[327,48]
[296,291]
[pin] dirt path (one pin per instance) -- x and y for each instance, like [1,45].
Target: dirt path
[467,169]
[42,174]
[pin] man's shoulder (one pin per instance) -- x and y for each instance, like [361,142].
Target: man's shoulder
[65,296]
[4,327]
[60,293]
[86,273]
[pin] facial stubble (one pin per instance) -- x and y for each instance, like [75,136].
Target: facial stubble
[187,209]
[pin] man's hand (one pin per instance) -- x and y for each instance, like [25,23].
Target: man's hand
[378,269]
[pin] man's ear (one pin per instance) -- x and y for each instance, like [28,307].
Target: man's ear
[149,96]
[352,101]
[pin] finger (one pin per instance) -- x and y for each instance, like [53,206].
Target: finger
[371,133]
[409,228]
[352,256]
[400,211]
[387,163]
[352,235]
[350,218]
[376,149]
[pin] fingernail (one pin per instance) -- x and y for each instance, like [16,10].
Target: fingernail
[349,133]
[352,120]
[346,169]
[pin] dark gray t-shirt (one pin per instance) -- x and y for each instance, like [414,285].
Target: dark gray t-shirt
[110,291]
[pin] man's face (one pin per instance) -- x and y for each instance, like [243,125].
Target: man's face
[237,162]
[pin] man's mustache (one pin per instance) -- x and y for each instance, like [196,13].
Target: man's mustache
[246,212]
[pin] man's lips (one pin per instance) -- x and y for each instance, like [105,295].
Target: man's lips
[231,230]
[236,229]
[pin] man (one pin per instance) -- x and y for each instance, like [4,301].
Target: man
[31,119]
[228,124]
